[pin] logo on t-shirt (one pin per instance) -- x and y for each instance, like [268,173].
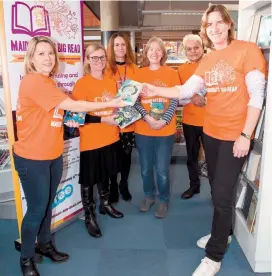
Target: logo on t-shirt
[220,78]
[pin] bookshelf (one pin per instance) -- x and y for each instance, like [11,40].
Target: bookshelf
[6,184]
[253,228]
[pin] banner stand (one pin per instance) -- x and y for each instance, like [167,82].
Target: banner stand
[24,20]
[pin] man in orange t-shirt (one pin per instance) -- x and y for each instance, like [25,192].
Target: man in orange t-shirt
[193,112]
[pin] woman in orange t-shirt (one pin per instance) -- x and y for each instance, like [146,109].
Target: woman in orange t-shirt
[234,77]
[156,131]
[38,150]
[121,66]
[99,142]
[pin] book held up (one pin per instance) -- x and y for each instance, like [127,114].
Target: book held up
[130,91]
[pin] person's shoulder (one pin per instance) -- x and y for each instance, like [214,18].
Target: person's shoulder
[83,79]
[244,45]
[31,79]
[168,69]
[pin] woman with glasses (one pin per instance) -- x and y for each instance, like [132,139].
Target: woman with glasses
[234,77]
[121,66]
[99,140]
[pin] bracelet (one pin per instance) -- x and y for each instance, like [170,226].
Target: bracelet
[246,135]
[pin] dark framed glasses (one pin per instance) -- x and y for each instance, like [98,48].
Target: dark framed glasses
[96,58]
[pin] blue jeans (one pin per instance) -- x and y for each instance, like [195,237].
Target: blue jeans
[155,151]
[40,180]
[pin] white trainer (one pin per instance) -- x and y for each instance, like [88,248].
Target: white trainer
[207,267]
[204,240]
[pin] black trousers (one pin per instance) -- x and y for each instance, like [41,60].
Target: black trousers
[223,171]
[126,145]
[192,135]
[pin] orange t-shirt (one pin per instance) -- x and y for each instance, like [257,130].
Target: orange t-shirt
[164,77]
[224,73]
[124,72]
[39,123]
[192,115]
[98,135]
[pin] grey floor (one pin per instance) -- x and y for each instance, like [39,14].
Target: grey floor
[139,244]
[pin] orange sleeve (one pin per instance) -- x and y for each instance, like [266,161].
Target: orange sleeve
[43,91]
[79,90]
[254,59]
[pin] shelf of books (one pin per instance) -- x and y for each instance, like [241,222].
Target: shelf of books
[254,192]
[179,138]
[4,145]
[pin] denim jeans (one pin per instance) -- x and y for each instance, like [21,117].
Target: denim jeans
[40,180]
[155,151]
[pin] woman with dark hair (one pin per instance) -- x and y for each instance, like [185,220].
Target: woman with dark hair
[121,66]
[234,77]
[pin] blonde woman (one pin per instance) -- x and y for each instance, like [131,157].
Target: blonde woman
[99,142]
[155,132]
[40,122]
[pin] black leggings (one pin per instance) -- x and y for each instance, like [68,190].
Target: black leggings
[223,171]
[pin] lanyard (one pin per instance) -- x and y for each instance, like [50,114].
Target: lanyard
[125,75]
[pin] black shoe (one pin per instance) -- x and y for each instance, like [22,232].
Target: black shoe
[49,250]
[91,222]
[190,193]
[106,208]
[114,193]
[28,267]
[123,187]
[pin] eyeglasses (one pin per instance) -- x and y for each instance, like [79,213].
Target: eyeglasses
[96,58]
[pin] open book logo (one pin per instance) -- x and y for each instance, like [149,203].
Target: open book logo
[28,20]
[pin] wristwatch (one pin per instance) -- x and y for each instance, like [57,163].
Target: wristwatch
[246,135]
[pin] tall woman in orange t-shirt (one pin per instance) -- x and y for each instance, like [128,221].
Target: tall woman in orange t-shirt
[99,142]
[121,66]
[38,150]
[234,77]
[155,132]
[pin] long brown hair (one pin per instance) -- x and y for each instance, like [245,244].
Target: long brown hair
[226,18]
[129,58]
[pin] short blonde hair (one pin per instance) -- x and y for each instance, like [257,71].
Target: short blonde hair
[226,18]
[31,48]
[90,49]
[160,42]
[191,37]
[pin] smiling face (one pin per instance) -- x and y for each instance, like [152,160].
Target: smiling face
[44,58]
[194,50]
[154,53]
[97,60]
[119,47]
[217,30]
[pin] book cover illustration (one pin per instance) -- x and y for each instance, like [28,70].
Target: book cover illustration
[126,116]
[252,213]
[157,110]
[77,117]
[179,136]
[130,91]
